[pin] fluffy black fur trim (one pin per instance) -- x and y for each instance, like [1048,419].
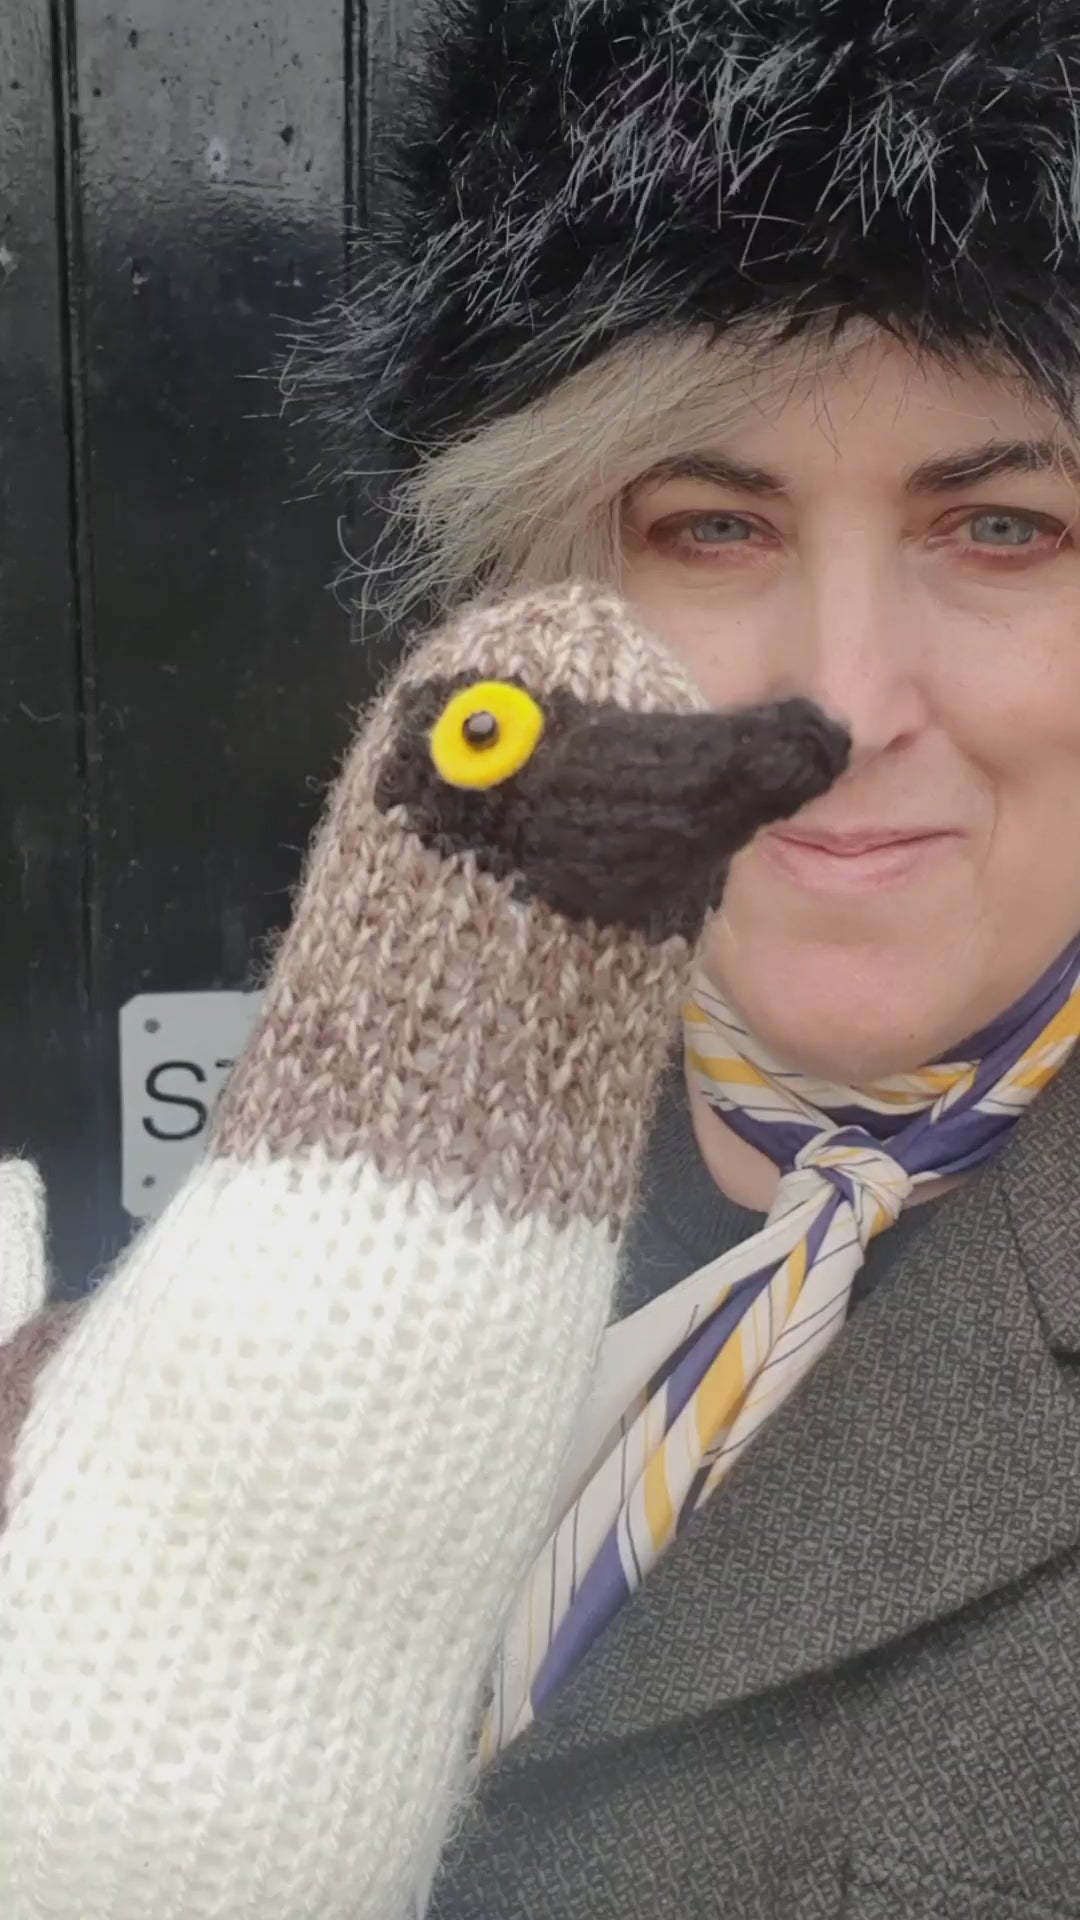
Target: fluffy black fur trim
[572,172]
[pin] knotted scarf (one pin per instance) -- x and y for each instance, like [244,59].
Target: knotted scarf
[684,1384]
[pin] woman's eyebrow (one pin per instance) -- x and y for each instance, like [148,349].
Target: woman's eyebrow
[945,471]
[716,469]
[972,464]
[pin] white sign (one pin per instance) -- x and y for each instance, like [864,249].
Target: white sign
[175,1052]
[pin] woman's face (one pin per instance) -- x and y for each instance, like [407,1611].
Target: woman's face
[884,544]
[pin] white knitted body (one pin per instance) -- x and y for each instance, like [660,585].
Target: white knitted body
[23,1265]
[275,1496]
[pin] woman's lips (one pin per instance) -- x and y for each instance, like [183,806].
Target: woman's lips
[853,862]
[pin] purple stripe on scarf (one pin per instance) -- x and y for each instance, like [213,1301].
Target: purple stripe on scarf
[781,1141]
[598,1599]
[962,1137]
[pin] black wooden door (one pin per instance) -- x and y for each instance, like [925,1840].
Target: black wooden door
[176,676]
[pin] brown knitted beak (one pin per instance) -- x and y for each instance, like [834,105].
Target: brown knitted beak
[625,819]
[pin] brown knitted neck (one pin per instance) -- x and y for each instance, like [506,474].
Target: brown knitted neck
[445,1033]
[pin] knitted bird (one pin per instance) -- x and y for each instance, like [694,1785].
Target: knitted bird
[272,1489]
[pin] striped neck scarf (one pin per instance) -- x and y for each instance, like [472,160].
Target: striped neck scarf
[684,1385]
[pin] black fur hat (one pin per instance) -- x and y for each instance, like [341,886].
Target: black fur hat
[572,172]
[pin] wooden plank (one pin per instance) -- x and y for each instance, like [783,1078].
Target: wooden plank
[215,168]
[176,186]
[50,1089]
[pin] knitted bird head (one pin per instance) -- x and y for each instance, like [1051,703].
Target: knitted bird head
[499,913]
[569,173]
[621,816]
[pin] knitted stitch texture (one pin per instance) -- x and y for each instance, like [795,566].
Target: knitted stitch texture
[281,1477]
[23,1264]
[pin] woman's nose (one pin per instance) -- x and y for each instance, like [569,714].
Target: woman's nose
[853,649]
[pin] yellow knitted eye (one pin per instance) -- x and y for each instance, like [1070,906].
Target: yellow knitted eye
[485,734]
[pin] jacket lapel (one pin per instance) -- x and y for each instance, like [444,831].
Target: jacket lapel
[931,1457]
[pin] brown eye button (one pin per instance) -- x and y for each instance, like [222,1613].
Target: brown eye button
[481,729]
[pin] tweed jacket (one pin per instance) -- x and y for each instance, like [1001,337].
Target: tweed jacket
[851,1689]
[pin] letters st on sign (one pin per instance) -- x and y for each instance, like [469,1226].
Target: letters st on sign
[175,1052]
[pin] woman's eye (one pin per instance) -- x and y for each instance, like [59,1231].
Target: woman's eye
[999,529]
[704,530]
[1003,529]
[720,529]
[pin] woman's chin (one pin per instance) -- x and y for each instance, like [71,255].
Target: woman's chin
[845,1015]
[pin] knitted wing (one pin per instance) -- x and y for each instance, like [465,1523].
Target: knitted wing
[271,1491]
[23,1263]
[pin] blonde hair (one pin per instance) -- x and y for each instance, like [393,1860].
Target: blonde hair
[536,498]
